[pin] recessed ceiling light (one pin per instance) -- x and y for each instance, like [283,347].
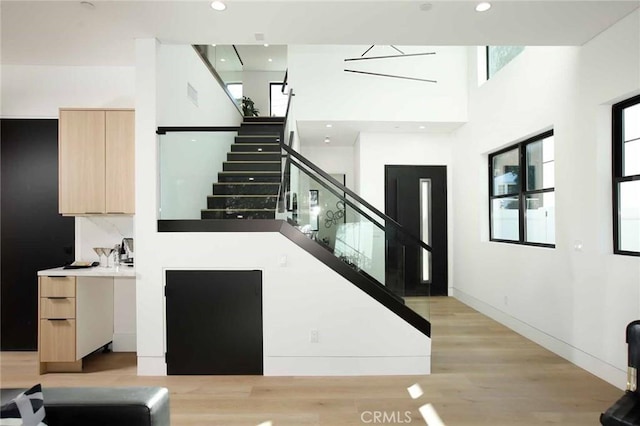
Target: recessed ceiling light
[213,45]
[422,127]
[218,5]
[266,45]
[270,60]
[483,7]
[327,140]
[223,60]
[329,125]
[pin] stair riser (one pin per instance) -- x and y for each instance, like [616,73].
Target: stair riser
[248,189]
[235,215]
[255,147]
[260,129]
[232,202]
[243,167]
[249,178]
[273,139]
[253,156]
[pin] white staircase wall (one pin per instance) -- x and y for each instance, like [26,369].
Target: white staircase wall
[356,334]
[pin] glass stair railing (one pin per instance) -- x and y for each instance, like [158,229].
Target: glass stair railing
[349,227]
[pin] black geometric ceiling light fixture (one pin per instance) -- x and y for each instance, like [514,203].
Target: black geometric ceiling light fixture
[401,55]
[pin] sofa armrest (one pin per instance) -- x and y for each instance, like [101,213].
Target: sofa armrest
[144,406]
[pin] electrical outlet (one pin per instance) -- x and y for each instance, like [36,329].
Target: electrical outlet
[313,336]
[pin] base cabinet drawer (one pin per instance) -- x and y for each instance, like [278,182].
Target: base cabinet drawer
[57,340]
[61,307]
[57,286]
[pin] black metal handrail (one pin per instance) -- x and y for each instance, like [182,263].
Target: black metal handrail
[387,220]
[284,81]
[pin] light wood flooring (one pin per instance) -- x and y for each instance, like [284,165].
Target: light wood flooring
[483,375]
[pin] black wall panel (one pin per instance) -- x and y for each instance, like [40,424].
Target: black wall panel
[33,235]
[214,322]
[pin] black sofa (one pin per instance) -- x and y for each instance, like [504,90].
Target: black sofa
[131,406]
[626,410]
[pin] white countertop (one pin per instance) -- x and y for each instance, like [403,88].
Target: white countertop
[96,271]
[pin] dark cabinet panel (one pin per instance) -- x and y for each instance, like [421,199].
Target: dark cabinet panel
[34,236]
[214,322]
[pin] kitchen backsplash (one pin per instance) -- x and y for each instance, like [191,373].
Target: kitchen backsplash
[100,231]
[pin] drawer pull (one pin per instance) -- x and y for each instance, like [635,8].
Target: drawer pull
[57,319]
[57,297]
[57,276]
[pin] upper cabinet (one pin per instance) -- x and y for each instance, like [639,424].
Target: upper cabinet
[96,161]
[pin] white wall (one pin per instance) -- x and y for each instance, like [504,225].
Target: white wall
[38,91]
[575,301]
[325,92]
[333,160]
[294,300]
[375,150]
[178,66]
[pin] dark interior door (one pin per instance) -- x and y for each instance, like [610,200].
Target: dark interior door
[214,322]
[416,197]
[34,236]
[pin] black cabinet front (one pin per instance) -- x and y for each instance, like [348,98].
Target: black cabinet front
[214,322]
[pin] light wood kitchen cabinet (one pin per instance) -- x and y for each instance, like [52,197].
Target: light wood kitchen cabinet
[96,161]
[76,318]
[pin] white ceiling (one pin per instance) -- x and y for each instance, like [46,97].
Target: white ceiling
[55,32]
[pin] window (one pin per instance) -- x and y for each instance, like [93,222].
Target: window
[499,56]
[236,91]
[522,193]
[277,100]
[626,177]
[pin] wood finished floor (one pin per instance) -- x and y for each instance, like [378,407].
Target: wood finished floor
[483,375]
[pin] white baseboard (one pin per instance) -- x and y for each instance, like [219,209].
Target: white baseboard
[586,361]
[124,342]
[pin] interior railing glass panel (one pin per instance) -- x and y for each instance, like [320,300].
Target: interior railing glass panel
[370,242]
[189,167]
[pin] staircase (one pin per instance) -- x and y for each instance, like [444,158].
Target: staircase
[248,186]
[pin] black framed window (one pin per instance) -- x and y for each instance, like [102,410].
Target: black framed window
[522,192]
[626,177]
[236,91]
[277,100]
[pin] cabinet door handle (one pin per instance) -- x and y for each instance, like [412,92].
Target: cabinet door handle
[115,213]
[57,276]
[56,319]
[93,212]
[57,297]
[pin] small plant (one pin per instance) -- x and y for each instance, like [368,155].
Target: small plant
[248,107]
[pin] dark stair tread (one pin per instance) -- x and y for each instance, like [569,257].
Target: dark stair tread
[240,195]
[270,119]
[244,172]
[247,183]
[229,209]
